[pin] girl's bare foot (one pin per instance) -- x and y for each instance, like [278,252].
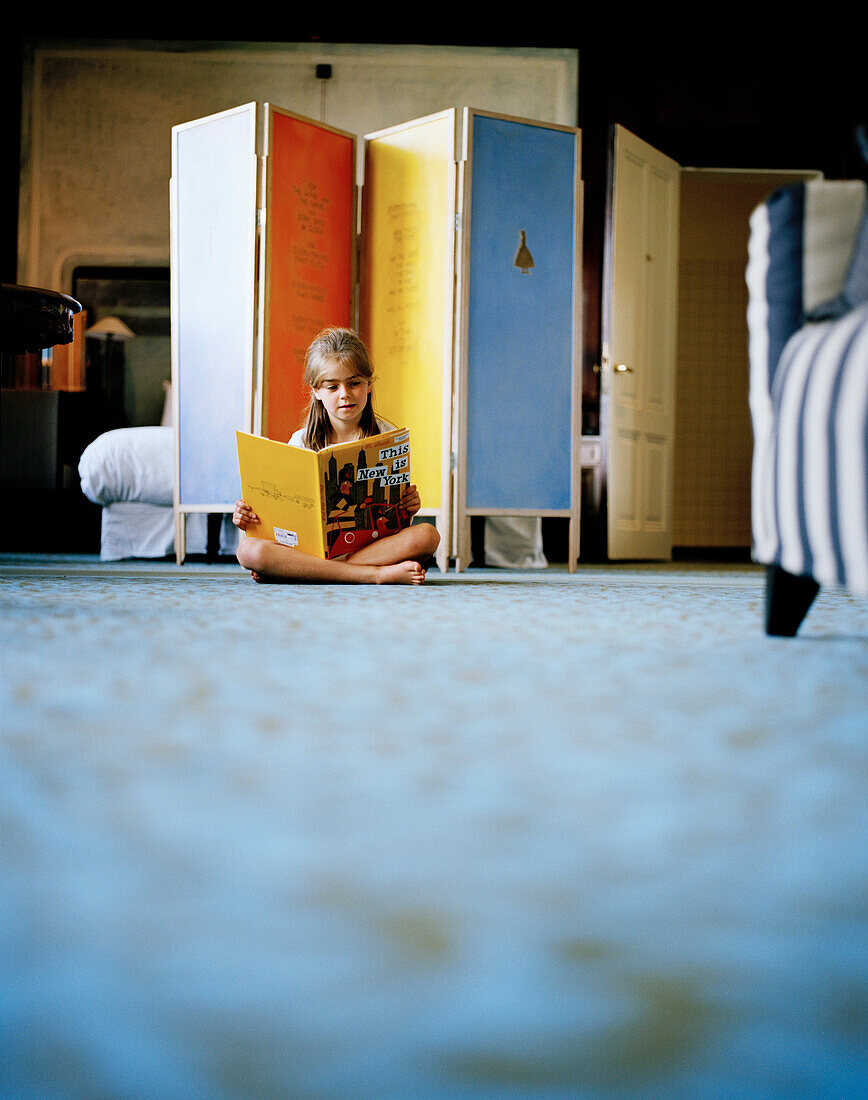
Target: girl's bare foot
[270,563]
[405,572]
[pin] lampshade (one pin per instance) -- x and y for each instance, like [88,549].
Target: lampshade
[110,327]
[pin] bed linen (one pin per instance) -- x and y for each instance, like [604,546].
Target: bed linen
[129,471]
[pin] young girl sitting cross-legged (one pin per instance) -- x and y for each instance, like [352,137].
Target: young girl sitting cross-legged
[338,371]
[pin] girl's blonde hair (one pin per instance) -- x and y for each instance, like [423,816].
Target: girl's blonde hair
[345,347]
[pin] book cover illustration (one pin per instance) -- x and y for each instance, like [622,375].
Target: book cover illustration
[329,502]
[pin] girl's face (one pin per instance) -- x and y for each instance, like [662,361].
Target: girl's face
[344,395]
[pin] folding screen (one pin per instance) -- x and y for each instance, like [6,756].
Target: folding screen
[476,357]
[407,293]
[295,179]
[518,410]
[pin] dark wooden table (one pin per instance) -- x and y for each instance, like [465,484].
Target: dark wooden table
[39,438]
[32,319]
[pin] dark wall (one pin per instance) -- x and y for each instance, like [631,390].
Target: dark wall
[793,108]
[736,108]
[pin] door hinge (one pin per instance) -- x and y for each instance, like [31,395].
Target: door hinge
[605,363]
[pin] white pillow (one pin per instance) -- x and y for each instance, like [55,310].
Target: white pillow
[129,464]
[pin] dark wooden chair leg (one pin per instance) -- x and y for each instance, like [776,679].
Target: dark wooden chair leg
[787,601]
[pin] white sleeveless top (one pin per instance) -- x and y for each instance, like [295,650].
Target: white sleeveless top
[297,438]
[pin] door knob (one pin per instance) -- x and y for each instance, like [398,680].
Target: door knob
[622,368]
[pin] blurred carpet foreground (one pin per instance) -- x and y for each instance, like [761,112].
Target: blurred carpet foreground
[507,835]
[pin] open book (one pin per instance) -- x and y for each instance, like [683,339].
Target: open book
[329,502]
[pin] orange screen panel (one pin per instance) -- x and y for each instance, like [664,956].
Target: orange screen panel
[310,237]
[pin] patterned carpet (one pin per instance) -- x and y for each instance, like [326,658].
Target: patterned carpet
[506,835]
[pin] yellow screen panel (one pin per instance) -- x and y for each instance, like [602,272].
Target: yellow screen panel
[407,279]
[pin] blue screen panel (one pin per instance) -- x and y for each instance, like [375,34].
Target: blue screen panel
[521,292]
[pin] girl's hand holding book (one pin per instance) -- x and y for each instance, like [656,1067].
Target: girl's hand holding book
[410,500]
[244,516]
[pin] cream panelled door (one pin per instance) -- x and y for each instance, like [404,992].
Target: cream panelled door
[640,303]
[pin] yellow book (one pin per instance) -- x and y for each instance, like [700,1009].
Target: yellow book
[330,502]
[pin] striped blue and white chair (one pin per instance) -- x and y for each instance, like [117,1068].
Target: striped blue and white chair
[807,279]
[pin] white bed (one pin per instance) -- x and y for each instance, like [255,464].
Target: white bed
[129,472]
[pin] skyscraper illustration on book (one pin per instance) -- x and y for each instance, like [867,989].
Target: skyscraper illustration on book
[330,502]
